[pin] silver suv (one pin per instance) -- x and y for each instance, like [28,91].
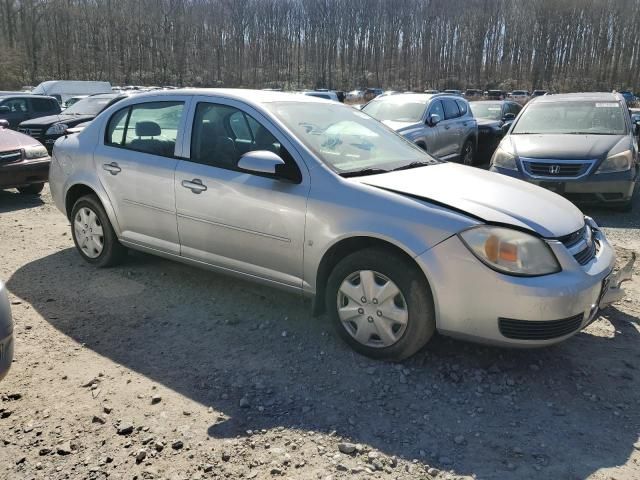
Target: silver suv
[321,199]
[441,124]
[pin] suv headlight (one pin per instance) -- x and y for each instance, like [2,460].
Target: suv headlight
[620,162]
[510,251]
[57,129]
[36,151]
[503,159]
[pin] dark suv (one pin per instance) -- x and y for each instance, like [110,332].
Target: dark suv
[16,108]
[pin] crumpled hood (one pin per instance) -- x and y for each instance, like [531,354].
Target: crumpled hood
[52,119]
[580,147]
[12,140]
[489,196]
[397,126]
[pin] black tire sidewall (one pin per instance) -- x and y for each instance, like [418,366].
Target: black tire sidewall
[412,284]
[113,251]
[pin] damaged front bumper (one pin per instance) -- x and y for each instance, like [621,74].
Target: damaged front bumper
[612,290]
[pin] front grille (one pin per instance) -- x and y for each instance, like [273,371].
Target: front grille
[573,238]
[585,256]
[32,132]
[589,248]
[556,168]
[543,330]
[10,156]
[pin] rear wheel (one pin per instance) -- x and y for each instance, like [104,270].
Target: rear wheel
[93,234]
[33,189]
[468,155]
[380,304]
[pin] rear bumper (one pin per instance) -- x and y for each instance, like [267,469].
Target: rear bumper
[596,188]
[24,173]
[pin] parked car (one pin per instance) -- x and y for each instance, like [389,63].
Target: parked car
[538,93]
[324,94]
[453,92]
[628,96]
[63,90]
[355,95]
[317,198]
[441,124]
[48,129]
[496,94]
[371,93]
[580,145]
[472,92]
[16,108]
[432,92]
[635,115]
[6,333]
[520,95]
[24,162]
[73,100]
[494,118]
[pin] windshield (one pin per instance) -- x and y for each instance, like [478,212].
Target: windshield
[579,117]
[88,106]
[396,109]
[345,138]
[487,110]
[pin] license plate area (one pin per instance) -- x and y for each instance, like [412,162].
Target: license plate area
[557,187]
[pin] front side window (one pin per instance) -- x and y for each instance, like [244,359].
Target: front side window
[450,109]
[462,105]
[146,127]
[572,117]
[16,105]
[43,105]
[346,139]
[436,109]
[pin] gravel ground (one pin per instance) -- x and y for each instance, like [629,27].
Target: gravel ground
[159,370]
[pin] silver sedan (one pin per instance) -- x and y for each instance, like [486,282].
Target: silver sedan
[321,199]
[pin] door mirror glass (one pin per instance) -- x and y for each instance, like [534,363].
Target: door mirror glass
[509,116]
[260,162]
[4,109]
[433,119]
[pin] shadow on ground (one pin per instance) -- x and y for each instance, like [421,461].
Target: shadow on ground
[522,414]
[11,201]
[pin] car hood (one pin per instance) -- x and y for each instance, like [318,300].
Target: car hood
[488,122]
[51,119]
[397,126]
[580,147]
[12,140]
[490,197]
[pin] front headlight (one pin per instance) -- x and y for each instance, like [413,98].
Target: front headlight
[36,151]
[57,129]
[510,251]
[620,162]
[503,159]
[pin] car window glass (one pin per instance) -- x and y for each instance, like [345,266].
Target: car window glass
[218,139]
[43,105]
[462,105]
[116,126]
[450,109]
[436,109]
[16,105]
[146,127]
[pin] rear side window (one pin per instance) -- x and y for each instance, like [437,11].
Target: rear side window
[450,109]
[147,127]
[41,105]
[462,105]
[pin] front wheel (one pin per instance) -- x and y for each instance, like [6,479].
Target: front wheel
[93,234]
[380,304]
[468,155]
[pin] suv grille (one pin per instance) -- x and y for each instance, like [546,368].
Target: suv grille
[589,247]
[32,132]
[10,156]
[543,330]
[556,168]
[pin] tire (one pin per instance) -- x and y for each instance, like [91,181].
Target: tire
[468,153]
[414,303]
[112,251]
[33,189]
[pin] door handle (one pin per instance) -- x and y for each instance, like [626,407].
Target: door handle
[196,186]
[112,168]
[447,127]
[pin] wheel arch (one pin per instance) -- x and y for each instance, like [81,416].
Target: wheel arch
[80,189]
[344,247]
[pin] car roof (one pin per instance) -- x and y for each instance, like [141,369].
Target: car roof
[569,97]
[4,95]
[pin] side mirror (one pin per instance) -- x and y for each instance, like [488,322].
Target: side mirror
[509,116]
[433,119]
[260,162]
[4,124]
[4,109]
[637,127]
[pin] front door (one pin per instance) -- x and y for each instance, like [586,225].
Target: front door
[240,221]
[136,164]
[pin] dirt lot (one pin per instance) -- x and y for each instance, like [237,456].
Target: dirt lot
[159,370]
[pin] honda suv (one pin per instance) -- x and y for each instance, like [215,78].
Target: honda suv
[580,145]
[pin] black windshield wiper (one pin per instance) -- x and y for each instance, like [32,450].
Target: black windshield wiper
[364,172]
[412,165]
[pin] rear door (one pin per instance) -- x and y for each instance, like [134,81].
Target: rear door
[136,162]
